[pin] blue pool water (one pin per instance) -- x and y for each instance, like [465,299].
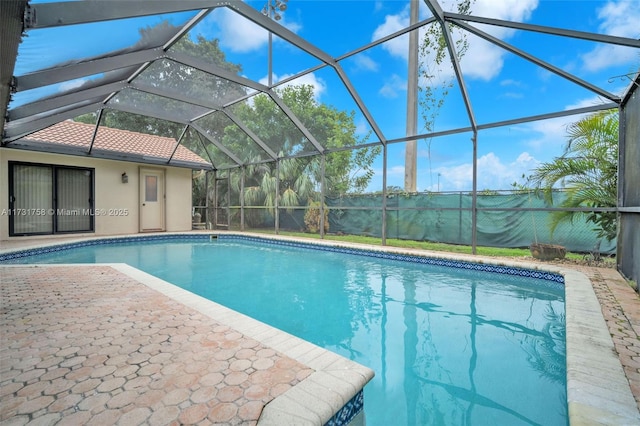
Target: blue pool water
[449,346]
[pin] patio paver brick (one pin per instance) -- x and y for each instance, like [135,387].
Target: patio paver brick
[90,345]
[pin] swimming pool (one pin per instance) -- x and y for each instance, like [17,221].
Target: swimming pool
[449,345]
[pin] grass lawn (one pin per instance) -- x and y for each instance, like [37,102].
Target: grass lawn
[424,245]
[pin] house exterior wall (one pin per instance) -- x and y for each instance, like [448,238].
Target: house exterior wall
[111,195]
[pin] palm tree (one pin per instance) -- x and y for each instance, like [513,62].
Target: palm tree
[296,187]
[588,169]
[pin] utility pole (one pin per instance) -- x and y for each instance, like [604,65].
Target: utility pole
[273,10]
[411,148]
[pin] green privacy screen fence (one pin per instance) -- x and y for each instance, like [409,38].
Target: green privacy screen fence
[503,220]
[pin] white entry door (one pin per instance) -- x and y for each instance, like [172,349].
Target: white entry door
[151,200]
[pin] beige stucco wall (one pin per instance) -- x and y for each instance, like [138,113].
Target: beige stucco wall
[111,195]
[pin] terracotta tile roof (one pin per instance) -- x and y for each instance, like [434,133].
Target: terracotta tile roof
[72,133]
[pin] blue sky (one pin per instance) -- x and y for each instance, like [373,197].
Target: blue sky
[501,85]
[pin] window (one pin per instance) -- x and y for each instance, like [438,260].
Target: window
[49,199]
[151,189]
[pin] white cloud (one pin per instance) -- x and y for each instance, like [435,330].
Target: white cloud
[392,86]
[362,127]
[364,62]
[619,18]
[72,84]
[319,85]
[395,171]
[603,57]
[482,60]
[241,35]
[511,83]
[551,135]
[397,47]
[512,95]
[545,135]
[237,33]
[492,173]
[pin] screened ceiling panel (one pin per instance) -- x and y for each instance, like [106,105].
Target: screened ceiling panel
[226,135]
[559,52]
[244,46]
[331,88]
[227,27]
[193,142]
[155,105]
[234,73]
[94,40]
[127,120]
[51,112]
[289,61]
[201,87]
[76,86]
[264,118]
[220,160]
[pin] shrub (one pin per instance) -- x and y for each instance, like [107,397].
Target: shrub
[312,218]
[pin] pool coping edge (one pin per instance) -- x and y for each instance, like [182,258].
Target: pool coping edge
[317,398]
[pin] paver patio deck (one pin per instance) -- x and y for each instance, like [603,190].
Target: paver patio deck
[87,343]
[90,345]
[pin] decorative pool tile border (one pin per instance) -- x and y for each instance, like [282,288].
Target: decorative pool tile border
[348,411]
[34,251]
[459,264]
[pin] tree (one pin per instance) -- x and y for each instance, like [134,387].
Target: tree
[299,178]
[588,169]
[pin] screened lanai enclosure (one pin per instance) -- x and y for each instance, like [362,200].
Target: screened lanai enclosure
[421,120]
